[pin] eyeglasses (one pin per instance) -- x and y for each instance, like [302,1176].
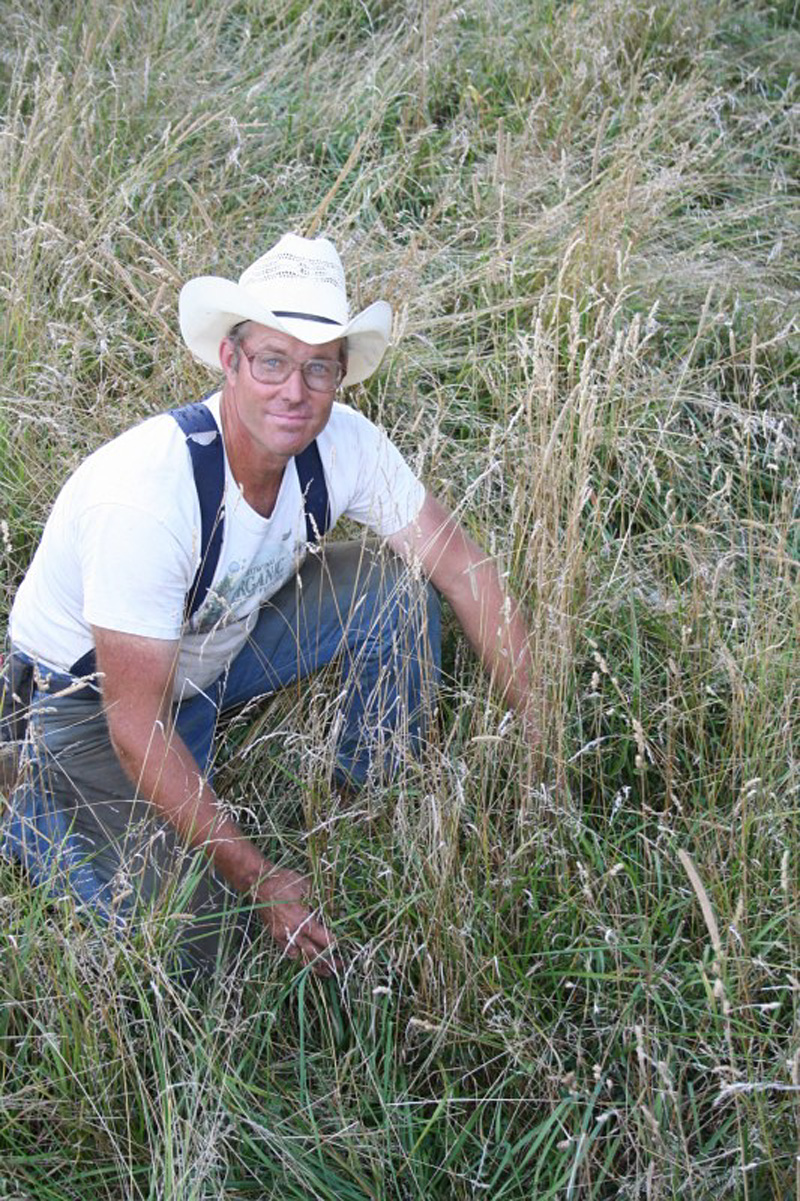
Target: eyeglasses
[320,375]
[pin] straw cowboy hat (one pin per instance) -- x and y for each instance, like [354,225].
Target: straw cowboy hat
[297,287]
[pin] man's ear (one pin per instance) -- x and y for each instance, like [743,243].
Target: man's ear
[229,359]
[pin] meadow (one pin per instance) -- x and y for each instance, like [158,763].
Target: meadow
[573,975]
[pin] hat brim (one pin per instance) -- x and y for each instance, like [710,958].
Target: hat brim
[210,306]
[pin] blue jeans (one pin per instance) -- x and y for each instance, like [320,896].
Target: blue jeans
[75,821]
[351,603]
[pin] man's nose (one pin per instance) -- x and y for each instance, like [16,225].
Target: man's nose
[294,385]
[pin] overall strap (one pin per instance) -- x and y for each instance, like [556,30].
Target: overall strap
[208,463]
[204,443]
[315,493]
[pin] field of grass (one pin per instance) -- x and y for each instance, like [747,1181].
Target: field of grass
[573,981]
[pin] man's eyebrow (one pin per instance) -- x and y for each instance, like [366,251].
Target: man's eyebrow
[318,352]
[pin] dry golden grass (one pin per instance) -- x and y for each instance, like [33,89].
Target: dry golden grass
[579,982]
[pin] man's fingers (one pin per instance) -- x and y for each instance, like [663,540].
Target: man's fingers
[315,945]
[321,962]
[302,936]
[321,950]
[310,935]
[317,934]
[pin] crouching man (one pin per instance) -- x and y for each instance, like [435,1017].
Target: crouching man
[174,583]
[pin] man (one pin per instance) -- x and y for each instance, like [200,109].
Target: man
[115,800]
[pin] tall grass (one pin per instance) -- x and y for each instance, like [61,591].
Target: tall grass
[572,981]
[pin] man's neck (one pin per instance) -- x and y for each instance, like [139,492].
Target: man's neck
[258,473]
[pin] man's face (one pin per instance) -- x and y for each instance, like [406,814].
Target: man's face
[279,419]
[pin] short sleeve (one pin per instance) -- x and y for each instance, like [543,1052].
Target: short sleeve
[380,489]
[135,572]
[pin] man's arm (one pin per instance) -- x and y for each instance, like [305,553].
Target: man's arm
[467,577]
[137,676]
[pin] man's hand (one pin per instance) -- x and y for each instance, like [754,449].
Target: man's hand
[290,921]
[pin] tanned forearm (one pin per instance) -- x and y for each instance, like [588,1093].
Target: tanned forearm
[137,675]
[495,628]
[469,581]
[163,769]
[159,763]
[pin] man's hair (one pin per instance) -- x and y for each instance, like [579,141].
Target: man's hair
[236,336]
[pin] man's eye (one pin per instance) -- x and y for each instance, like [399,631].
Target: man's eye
[271,362]
[320,368]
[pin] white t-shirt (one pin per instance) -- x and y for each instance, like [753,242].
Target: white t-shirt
[122,545]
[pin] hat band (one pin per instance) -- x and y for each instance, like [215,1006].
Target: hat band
[307,317]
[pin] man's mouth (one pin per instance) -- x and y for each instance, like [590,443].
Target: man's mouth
[291,418]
